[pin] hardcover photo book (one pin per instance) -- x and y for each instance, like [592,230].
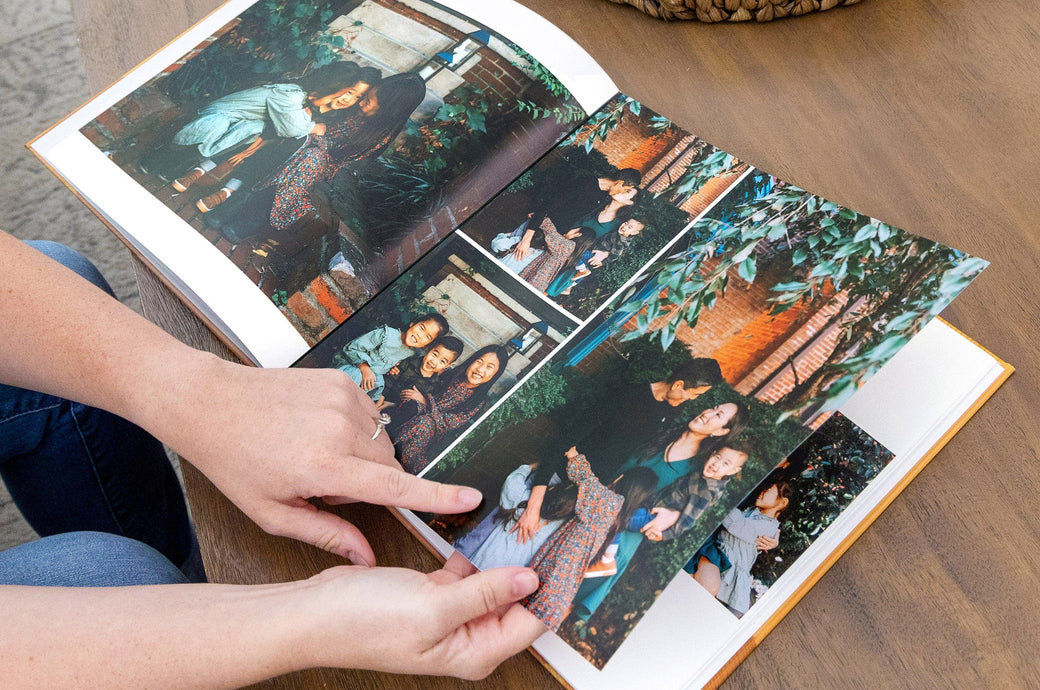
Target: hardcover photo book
[683,385]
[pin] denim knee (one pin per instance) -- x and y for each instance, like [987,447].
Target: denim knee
[86,559]
[72,260]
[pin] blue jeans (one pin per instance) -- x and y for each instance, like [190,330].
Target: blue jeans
[74,468]
[87,559]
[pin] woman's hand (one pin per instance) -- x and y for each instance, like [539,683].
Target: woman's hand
[571,453]
[522,249]
[319,130]
[368,377]
[451,622]
[530,521]
[664,518]
[270,439]
[765,543]
[414,395]
[249,151]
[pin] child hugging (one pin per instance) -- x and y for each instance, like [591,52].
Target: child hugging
[420,372]
[675,509]
[454,402]
[369,357]
[598,514]
[680,505]
[499,546]
[723,564]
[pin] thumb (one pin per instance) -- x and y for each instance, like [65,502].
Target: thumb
[484,592]
[326,531]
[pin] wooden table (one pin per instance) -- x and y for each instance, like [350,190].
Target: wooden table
[923,114]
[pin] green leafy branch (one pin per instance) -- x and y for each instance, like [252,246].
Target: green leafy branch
[894,281]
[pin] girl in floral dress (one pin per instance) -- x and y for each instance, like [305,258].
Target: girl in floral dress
[562,559]
[562,253]
[450,407]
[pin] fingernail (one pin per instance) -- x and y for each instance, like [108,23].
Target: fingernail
[470,496]
[358,559]
[524,582]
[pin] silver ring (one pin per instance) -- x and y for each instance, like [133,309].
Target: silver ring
[381,423]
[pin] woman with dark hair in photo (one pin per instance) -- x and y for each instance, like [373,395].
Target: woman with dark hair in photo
[607,249]
[605,224]
[599,513]
[630,421]
[457,401]
[685,454]
[382,115]
[245,119]
[603,220]
[568,205]
[359,133]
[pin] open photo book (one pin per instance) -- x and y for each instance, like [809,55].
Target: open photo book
[684,386]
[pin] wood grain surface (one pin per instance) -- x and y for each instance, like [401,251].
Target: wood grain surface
[923,114]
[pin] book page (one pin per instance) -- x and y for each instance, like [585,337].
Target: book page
[689,635]
[273,144]
[719,315]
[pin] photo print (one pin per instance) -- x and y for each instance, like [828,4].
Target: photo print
[615,462]
[764,536]
[303,136]
[595,210]
[440,345]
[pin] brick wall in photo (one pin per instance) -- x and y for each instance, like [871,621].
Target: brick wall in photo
[635,144]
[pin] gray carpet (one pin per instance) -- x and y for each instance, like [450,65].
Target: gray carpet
[41,81]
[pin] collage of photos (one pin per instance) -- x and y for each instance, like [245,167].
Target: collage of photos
[592,213]
[352,134]
[619,459]
[442,344]
[761,538]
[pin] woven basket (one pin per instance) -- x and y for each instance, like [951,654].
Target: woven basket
[731,10]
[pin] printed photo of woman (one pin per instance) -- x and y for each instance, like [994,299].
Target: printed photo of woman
[369,357]
[282,200]
[241,123]
[457,401]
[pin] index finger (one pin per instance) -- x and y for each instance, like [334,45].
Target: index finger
[388,486]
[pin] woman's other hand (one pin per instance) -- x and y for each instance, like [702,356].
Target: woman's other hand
[664,518]
[270,439]
[249,151]
[414,395]
[522,249]
[530,521]
[765,543]
[453,622]
[368,377]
